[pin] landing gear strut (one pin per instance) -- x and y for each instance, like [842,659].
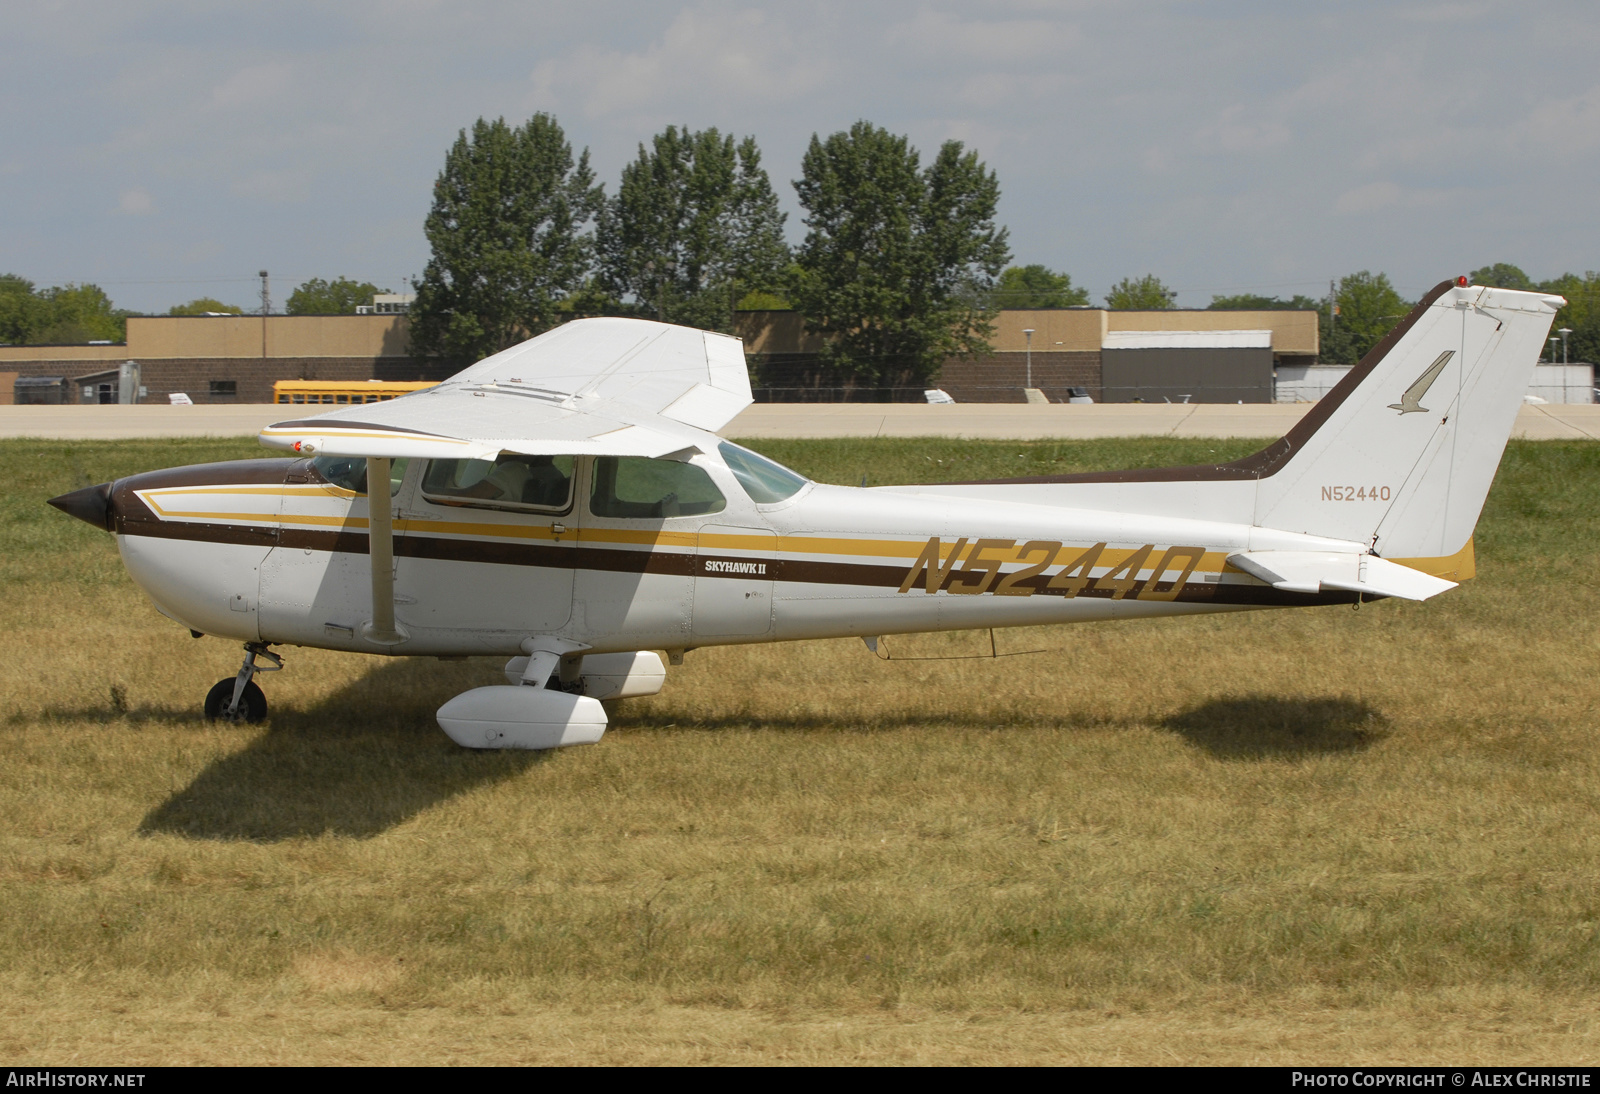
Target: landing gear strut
[238,699]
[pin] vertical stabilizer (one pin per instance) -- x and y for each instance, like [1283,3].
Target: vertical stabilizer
[1401,454]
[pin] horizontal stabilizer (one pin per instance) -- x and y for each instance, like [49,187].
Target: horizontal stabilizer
[1314,571]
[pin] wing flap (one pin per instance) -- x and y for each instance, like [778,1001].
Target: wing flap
[1314,571]
[704,407]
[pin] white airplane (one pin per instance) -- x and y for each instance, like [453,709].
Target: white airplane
[566,503]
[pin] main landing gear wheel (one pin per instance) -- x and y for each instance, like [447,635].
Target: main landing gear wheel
[239,699]
[252,703]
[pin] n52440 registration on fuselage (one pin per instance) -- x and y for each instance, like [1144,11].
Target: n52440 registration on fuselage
[567,504]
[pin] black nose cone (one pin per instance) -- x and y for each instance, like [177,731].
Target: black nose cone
[92,505]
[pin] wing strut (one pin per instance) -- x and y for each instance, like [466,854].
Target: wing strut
[380,540]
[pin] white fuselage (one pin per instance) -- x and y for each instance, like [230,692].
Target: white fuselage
[264,551]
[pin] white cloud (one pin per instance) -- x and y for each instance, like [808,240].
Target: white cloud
[703,56]
[1376,196]
[939,36]
[1217,145]
[1156,160]
[1234,131]
[203,251]
[258,87]
[137,202]
[1365,199]
[1566,126]
[273,186]
[1456,11]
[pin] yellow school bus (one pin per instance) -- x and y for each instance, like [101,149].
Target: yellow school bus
[343,392]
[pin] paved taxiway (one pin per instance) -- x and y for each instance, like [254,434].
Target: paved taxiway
[998,421]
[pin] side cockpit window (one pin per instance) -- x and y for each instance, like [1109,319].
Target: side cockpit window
[765,481]
[511,482]
[633,487]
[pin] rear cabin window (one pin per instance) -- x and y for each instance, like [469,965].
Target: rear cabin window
[765,481]
[633,487]
[510,482]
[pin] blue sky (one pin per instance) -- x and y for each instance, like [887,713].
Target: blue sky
[170,150]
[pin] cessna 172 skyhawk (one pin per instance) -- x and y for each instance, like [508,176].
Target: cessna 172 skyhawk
[566,502]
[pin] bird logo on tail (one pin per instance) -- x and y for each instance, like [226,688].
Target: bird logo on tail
[1411,401]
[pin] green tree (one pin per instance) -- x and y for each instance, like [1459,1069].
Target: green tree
[898,261]
[204,305]
[761,300]
[1146,293]
[18,306]
[1581,314]
[1252,302]
[694,227]
[61,315]
[1036,286]
[341,296]
[593,297]
[1368,307]
[1501,275]
[509,239]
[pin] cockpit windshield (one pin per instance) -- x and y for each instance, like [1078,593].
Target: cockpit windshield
[766,482]
[350,472]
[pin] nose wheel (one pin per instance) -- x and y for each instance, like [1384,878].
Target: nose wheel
[251,705]
[239,698]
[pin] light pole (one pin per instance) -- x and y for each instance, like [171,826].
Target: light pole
[1553,341]
[1028,334]
[1564,331]
[266,306]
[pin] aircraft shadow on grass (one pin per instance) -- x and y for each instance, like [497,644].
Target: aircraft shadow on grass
[1258,727]
[371,756]
[358,763]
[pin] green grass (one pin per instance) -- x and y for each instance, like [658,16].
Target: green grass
[1314,835]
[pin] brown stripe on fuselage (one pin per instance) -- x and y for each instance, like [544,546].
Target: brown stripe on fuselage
[316,539]
[246,534]
[626,561]
[806,572]
[798,571]
[1257,465]
[133,517]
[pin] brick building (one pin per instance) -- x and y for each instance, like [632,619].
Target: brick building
[235,359]
[1066,350]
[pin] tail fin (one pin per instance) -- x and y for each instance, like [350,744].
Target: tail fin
[1400,455]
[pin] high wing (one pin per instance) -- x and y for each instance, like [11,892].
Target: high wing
[607,387]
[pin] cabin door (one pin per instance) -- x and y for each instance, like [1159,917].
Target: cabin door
[488,547]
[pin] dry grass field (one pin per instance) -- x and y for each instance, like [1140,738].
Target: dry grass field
[1298,837]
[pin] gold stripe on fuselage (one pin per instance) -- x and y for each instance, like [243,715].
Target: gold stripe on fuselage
[1460,566]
